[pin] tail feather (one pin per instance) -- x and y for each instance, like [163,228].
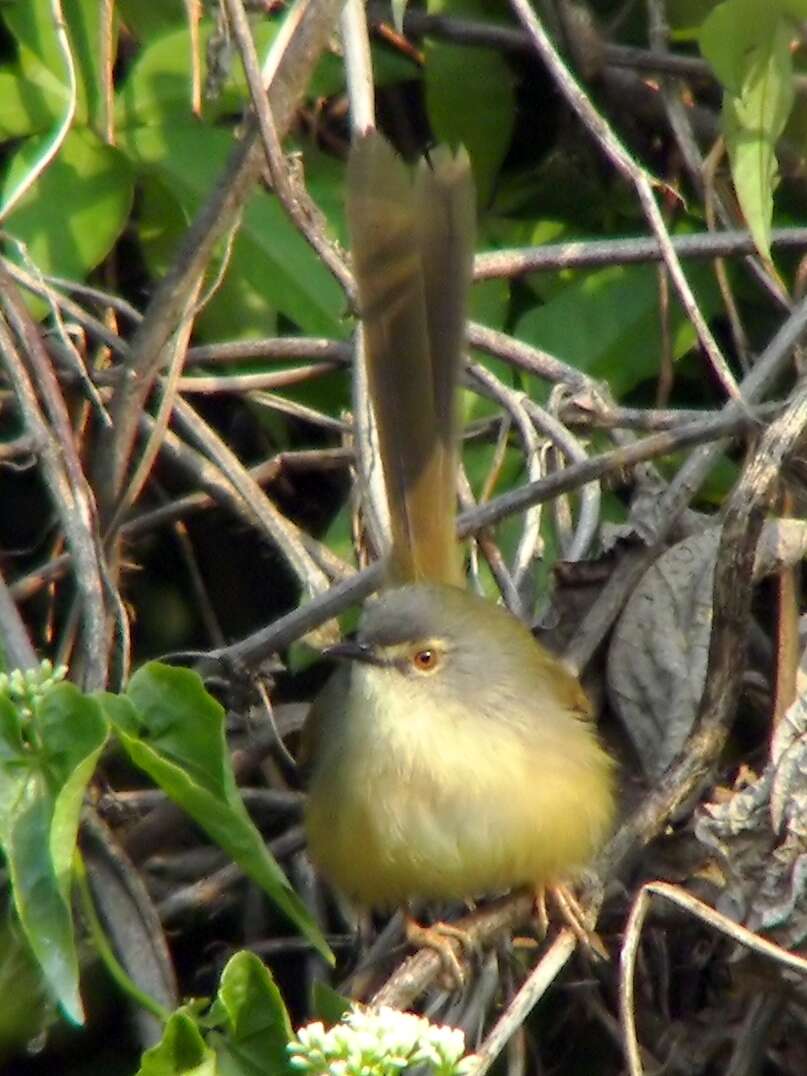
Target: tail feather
[412,245]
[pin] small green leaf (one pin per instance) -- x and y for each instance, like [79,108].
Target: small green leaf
[41,792]
[76,209]
[73,733]
[752,123]
[180,1052]
[174,731]
[606,323]
[328,1004]
[258,1026]
[748,45]
[398,12]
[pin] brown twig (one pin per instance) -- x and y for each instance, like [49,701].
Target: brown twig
[625,165]
[770,365]
[301,41]
[595,253]
[284,631]
[61,468]
[293,196]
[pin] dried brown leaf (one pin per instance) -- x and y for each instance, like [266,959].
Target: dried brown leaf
[760,838]
[658,655]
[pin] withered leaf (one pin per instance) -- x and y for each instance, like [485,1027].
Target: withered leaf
[659,651]
[759,836]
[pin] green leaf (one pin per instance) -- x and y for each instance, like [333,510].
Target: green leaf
[729,33]
[748,45]
[180,1052]
[73,732]
[146,21]
[173,730]
[328,1004]
[477,112]
[270,265]
[78,207]
[752,123]
[398,12]
[159,82]
[158,85]
[26,1008]
[796,9]
[32,24]
[41,793]
[606,323]
[32,100]
[258,1026]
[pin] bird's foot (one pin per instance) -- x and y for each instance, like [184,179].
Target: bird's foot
[446,940]
[572,915]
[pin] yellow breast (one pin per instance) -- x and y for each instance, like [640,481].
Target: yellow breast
[446,806]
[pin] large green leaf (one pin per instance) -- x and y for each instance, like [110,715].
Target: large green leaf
[256,1021]
[32,24]
[42,784]
[159,82]
[270,265]
[607,324]
[147,21]
[158,85]
[173,730]
[78,207]
[477,112]
[32,100]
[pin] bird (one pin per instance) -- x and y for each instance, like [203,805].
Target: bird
[450,755]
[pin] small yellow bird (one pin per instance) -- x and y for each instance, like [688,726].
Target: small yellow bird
[450,755]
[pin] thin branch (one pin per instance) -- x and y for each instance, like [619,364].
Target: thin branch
[282,533]
[294,198]
[61,469]
[18,651]
[731,614]
[532,359]
[633,929]
[358,66]
[637,176]
[297,47]
[570,447]
[769,366]
[240,383]
[274,348]
[514,405]
[254,648]
[592,253]
[532,990]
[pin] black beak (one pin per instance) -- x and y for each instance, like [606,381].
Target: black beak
[350,650]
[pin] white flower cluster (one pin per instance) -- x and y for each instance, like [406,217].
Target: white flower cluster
[25,687]
[379,1042]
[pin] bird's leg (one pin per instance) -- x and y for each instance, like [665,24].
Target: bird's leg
[571,913]
[443,938]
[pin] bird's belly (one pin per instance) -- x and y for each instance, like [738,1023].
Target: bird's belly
[437,817]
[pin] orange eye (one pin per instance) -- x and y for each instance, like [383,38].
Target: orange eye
[425,660]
